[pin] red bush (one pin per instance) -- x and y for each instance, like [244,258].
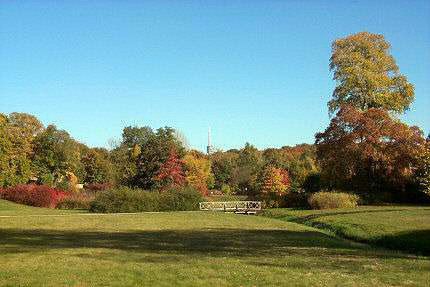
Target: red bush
[98,186]
[76,200]
[34,195]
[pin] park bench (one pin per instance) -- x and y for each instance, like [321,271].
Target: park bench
[245,207]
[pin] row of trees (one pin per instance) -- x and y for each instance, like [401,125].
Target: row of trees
[158,160]
[144,158]
[249,170]
[31,152]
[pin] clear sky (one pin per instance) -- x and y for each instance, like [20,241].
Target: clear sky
[253,71]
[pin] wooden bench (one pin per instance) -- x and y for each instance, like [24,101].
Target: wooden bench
[244,207]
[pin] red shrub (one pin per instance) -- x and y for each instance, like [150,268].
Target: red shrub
[98,186]
[34,195]
[76,200]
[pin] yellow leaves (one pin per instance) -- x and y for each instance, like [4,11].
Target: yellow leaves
[272,181]
[136,151]
[198,171]
[367,75]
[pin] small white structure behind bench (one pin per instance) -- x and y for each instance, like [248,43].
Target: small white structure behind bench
[247,207]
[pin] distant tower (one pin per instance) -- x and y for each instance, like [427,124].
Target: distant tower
[209,147]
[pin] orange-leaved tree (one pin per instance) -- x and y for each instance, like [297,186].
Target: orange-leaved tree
[368,151]
[274,180]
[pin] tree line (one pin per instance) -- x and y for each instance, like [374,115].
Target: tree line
[366,149]
[144,158]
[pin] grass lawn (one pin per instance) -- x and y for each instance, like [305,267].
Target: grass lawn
[8,208]
[188,249]
[396,227]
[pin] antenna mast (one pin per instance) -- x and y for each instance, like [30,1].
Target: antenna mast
[209,147]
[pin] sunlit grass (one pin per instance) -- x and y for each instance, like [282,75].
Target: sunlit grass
[8,208]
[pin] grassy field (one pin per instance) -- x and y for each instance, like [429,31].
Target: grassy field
[396,227]
[188,249]
[8,208]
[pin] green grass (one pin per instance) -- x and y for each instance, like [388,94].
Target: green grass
[397,227]
[8,208]
[188,249]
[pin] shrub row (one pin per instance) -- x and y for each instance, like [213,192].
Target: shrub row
[79,200]
[324,200]
[137,200]
[98,186]
[34,195]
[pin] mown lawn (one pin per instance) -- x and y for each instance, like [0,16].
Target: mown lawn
[8,208]
[189,249]
[396,227]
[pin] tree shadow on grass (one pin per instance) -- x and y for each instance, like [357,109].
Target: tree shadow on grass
[163,244]
[414,242]
[303,219]
[417,241]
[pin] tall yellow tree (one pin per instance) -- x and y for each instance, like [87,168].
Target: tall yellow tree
[367,75]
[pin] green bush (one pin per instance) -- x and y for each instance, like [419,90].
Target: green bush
[138,200]
[271,199]
[226,190]
[180,199]
[124,200]
[324,200]
[296,198]
[226,198]
[74,203]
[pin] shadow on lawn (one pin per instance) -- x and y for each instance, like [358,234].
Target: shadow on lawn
[206,242]
[417,241]
[303,219]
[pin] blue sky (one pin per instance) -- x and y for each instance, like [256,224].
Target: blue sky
[254,71]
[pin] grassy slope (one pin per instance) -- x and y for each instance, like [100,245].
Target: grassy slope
[8,208]
[190,249]
[401,227]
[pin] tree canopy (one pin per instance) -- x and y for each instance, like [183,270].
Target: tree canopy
[55,155]
[368,150]
[367,75]
[198,171]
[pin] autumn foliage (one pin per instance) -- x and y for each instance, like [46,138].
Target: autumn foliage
[198,172]
[368,150]
[34,195]
[275,180]
[367,76]
[170,174]
[422,173]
